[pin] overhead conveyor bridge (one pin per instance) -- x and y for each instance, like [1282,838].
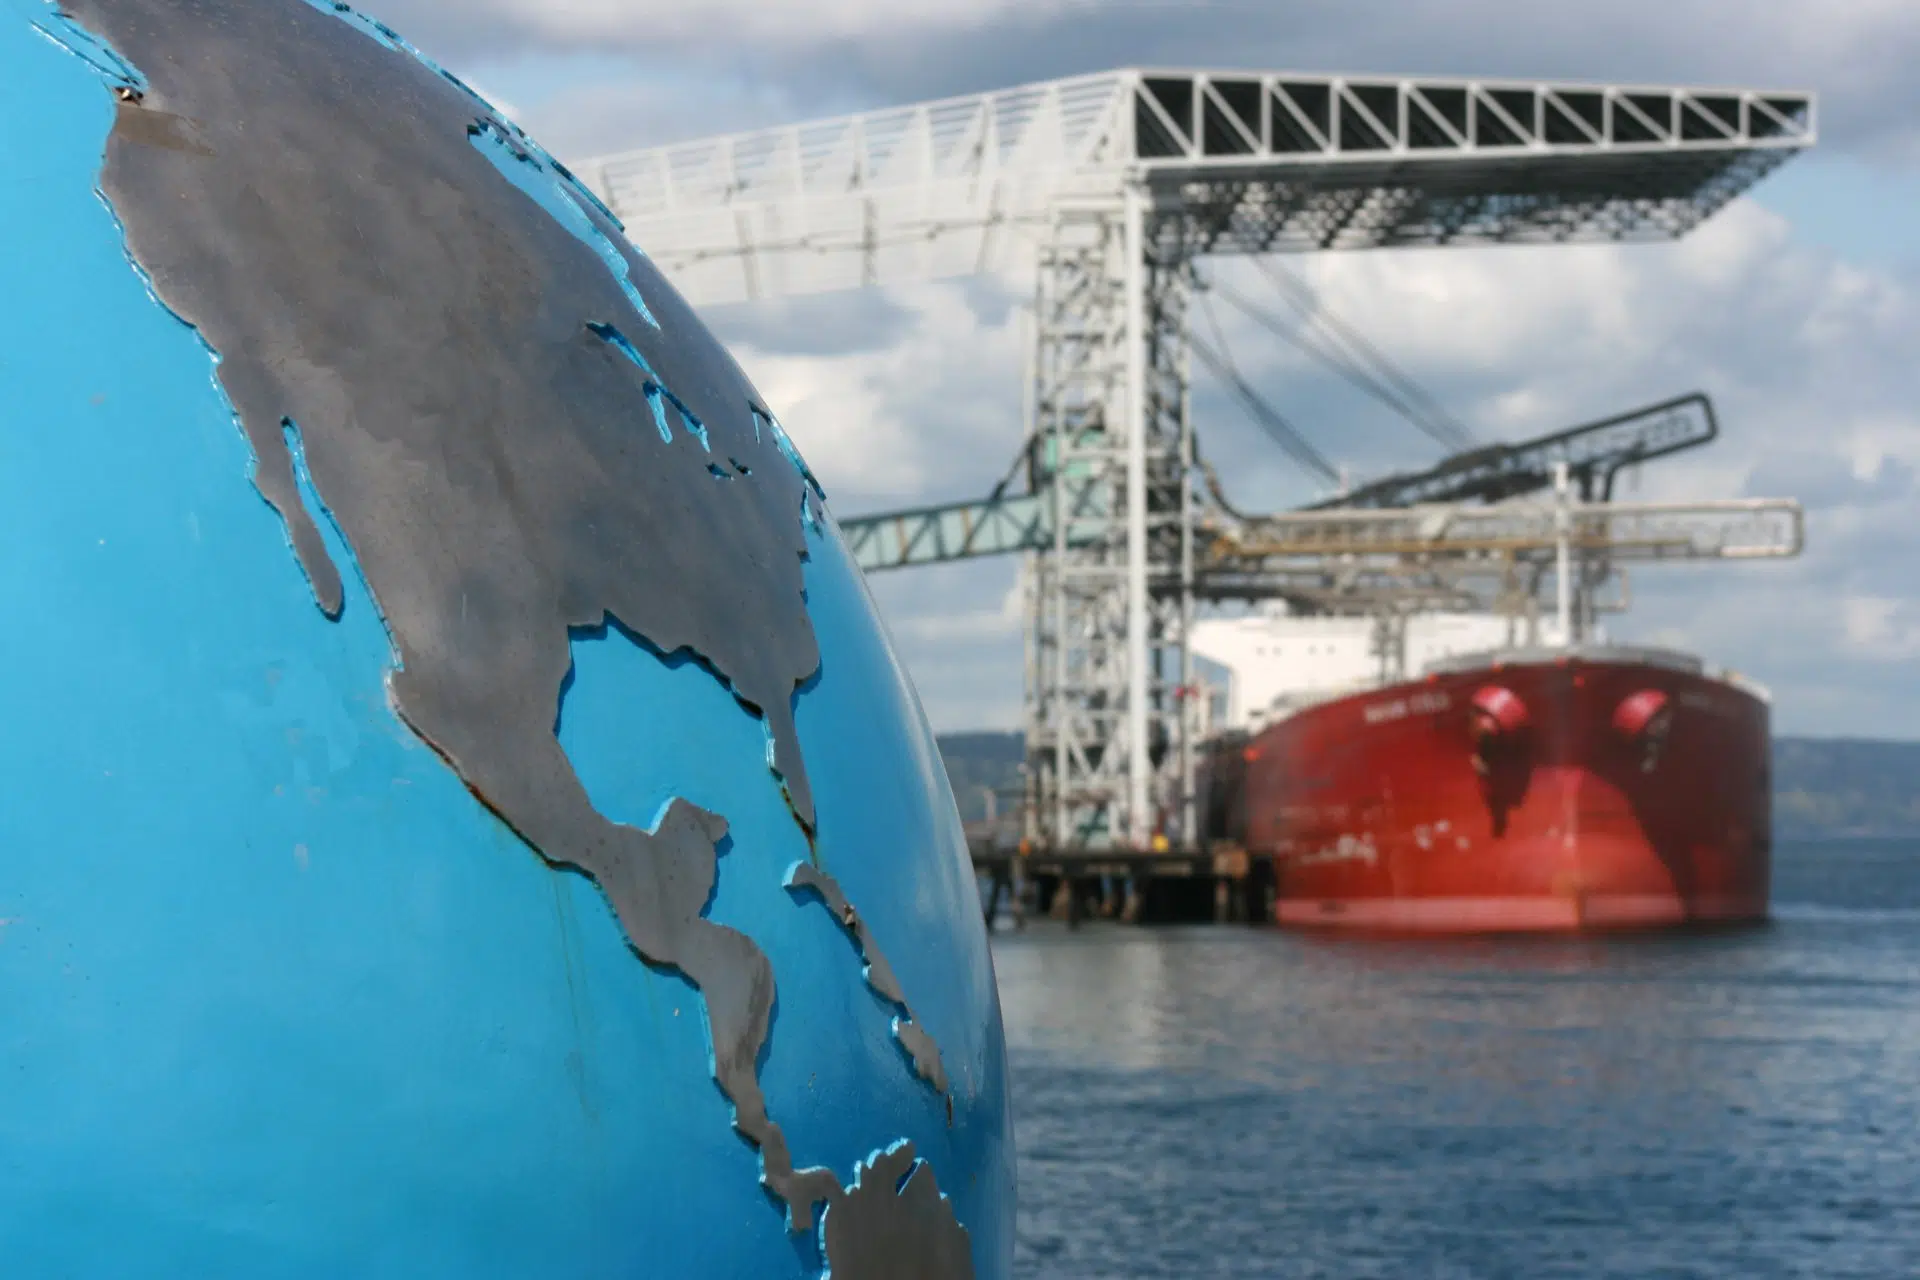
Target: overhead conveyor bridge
[1102,193]
[1230,162]
[1595,454]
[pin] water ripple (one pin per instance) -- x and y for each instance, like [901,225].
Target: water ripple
[1235,1103]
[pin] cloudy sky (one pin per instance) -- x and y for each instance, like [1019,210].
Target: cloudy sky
[1797,309]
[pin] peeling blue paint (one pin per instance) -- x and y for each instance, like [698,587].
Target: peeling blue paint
[56,25]
[385,35]
[370,27]
[654,391]
[704,747]
[310,496]
[658,396]
[833,1036]
[527,168]
[785,445]
[900,786]
[339,550]
[806,882]
[275,985]
[119,73]
[345,954]
[859,1188]
[694,425]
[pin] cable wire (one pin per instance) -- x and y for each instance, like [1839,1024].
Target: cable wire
[1270,420]
[1312,307]
[1348,353]
[1341,365]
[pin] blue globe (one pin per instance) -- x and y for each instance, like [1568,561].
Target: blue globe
[466,817]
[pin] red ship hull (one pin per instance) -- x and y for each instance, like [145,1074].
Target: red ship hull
[1601,789]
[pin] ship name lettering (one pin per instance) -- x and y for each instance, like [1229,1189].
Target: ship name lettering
[1347,848]
[1424,703]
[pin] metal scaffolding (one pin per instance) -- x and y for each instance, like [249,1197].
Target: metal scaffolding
[1110,603]
[1105,190]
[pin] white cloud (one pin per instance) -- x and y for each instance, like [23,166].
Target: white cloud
[933,413]
[1881,628]
[1875,440]
[713,35]
[971,626]
[790,23]
[957,627]
[498,103]
[1807,356]
[843,54]
[836,413]
[915,398]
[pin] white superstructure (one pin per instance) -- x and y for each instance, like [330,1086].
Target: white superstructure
[1260,666]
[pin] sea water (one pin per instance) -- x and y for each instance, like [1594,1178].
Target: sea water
[1225,1101]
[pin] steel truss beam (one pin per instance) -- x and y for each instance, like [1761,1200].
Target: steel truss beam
[1250,162]
[1735,529]
[950,531]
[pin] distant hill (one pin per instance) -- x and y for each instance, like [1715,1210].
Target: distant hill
[1845,787]
[979,761]
[1822,787]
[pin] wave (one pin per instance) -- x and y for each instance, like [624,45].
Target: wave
[1826,913]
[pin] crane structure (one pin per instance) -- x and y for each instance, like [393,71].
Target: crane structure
[1388,562]
[1105,191]
[1595,454]
[1732,529]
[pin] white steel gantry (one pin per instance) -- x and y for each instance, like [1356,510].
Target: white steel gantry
[1104,190]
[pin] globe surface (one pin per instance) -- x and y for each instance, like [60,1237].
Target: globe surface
[466,816]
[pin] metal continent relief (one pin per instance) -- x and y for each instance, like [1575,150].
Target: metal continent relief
[455,369]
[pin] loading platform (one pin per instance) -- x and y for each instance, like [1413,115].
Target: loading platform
[1222,884]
